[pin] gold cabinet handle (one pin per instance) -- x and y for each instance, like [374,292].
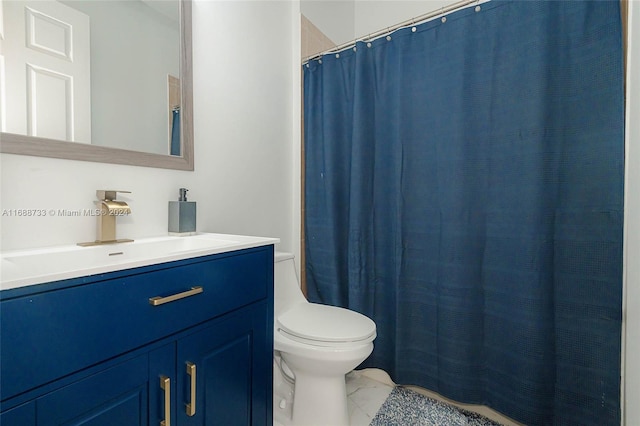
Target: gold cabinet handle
[155,301]
[165,384]
[191,371]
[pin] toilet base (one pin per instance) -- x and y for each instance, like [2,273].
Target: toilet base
[318,381]
[316,400]
[320,401]
[282,395]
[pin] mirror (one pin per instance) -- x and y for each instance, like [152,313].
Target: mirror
[136,120]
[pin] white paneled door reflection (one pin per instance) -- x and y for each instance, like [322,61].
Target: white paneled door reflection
[47,90]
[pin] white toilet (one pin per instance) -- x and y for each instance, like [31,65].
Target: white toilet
[314,347]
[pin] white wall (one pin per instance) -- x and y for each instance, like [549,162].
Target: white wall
[335,18]
[631,308]
[346,20]
[245,122]
[375,15]
[244,128]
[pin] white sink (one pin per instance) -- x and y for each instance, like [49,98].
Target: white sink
[26,267]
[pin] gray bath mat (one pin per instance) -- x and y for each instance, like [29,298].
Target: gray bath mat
[405,407]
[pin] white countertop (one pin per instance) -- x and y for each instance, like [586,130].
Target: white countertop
[35,266]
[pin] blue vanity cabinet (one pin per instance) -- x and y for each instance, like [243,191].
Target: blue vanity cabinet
[96,351]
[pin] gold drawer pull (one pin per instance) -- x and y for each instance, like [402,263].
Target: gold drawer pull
[155,301]
[165,384]
[191,406]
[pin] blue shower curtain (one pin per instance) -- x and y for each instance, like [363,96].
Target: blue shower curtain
[464,188]
[175,132]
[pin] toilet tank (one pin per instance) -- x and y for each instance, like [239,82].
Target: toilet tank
[286,285]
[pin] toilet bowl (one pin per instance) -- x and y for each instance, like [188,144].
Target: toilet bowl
[314,347]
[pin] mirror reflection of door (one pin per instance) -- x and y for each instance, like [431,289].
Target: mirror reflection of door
[46,56]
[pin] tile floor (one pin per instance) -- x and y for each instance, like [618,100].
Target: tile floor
[366,392]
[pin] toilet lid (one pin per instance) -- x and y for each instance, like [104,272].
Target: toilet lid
[329,324]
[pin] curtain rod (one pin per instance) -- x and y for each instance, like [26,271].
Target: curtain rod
[418,19]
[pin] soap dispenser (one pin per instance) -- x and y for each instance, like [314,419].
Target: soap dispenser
[182,215]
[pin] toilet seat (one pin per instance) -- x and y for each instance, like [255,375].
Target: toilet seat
[323,325]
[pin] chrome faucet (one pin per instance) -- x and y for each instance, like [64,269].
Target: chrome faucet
[109,209]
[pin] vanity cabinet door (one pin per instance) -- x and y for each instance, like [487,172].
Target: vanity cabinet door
[222,370]
[115,396]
